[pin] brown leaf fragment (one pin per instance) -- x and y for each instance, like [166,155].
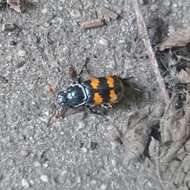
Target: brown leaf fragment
[92,23]
[184,76]
[17,5]
[179,38]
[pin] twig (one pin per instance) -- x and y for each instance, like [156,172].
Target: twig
[142,30]
[92,23]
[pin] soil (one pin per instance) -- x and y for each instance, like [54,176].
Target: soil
[143,143]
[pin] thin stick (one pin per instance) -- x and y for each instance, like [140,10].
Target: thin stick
[142,30]
[92,23]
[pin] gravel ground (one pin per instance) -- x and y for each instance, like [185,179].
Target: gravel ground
[37,50]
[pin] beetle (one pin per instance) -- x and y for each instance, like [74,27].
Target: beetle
[95,93]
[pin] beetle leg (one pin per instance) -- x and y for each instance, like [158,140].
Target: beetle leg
[52,119]
[77,77]
[60,113]
[94,110]
[73,74]
[52,89]
[106,108]
[98,110]
[84,67]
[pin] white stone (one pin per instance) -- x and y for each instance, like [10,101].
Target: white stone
[44,178]
[93,182]
[103,42]
[44,11]
[45,165]
[37,164]
[84,150]
[103,187]
[25,183]
[21,53]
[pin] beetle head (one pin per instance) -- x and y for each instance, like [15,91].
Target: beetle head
[62,98]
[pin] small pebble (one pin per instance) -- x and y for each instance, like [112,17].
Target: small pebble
[175,5]
[93,145]
[103,187]
[13,43]
[44,178]
[104,42]
[93,182]
[21,53]
[37,164]
[20,64]
[84,150]
[60,8]
[114,163]
[44,11]
[45,164]
[25,153]
[25,183]
[80,125]
[75,13]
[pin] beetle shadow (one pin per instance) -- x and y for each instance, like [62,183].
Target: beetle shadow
[133,95]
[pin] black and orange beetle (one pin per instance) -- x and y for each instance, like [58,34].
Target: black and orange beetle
[94,92]
[101,92]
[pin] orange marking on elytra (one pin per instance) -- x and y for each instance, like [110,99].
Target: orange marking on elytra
[113,96]
[110,81]
[98,100]
[94,83]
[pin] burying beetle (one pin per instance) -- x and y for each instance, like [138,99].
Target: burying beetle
[97,94]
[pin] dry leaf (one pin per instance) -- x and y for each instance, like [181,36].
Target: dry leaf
[179,38]
[17,5]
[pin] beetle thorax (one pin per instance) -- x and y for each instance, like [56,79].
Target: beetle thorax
[76,95]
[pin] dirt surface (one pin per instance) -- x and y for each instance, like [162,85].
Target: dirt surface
[143,145]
